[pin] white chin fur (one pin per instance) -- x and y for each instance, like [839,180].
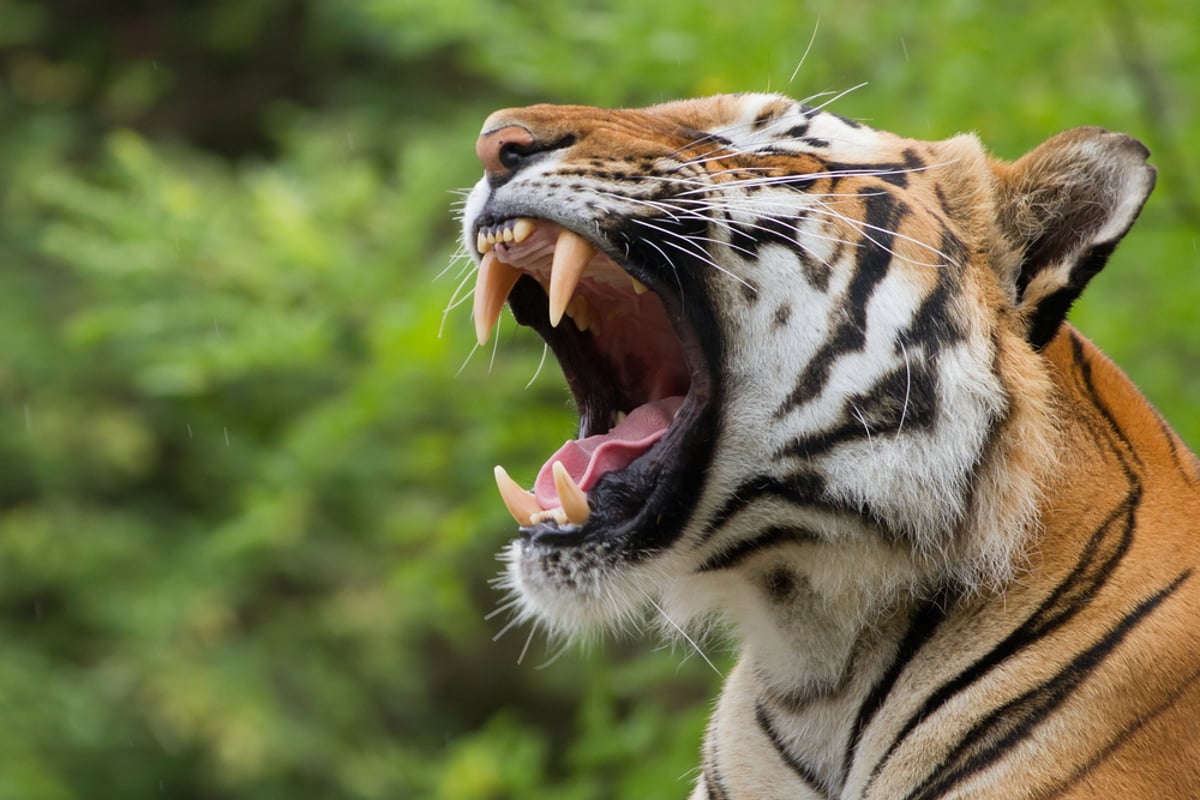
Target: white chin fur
[579,590]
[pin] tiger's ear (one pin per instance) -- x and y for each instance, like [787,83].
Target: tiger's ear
[1064,206]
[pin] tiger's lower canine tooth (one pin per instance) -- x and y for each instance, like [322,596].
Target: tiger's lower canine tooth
[492,286]
[571,255]
[520,503]
[573,499]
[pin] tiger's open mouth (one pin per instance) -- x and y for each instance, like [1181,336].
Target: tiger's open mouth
[637,371]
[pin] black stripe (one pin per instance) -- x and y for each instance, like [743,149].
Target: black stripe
[714,784]
[773,536]
[801,489]
[803,771]
[1052,309]
[882,214]
[903,398]
[920,631]
[804,490]
[997,733]
[933,324]
[1083,362]
[1099,558]
[1178,453]
[1127,733]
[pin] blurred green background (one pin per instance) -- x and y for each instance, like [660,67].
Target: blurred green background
[246,513]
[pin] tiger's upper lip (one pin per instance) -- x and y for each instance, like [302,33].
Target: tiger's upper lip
[625,346]
[517,245]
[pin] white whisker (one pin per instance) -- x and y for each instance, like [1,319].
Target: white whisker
[528,639]
[467,361]
[803,58]
[907,388]
[839,96]
[495,346]
[684,634]
[541,363]
[512,623]
[457,298]
[554,657]
[500,609]
[858,415]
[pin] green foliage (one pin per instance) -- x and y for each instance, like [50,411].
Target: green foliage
[246,520]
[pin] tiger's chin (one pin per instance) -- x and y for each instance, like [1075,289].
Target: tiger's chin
[583,590]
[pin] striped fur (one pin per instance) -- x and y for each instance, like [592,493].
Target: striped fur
[955,544]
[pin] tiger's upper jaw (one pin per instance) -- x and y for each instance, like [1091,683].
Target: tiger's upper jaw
[571,249]
[784,332]
[593,225]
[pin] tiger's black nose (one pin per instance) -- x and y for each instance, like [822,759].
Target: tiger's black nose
[503,150]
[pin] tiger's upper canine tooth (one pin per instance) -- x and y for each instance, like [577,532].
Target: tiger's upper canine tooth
[520,503]
[492,286]
[571,255]
[573,499]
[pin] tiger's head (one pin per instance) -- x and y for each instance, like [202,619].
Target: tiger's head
[804,352]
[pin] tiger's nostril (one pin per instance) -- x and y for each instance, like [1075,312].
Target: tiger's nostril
[513,154]
[494,146]
[505,150]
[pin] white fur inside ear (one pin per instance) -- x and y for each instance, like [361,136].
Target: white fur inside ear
[1134,187]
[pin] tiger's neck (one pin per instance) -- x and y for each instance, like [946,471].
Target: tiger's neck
[813,691]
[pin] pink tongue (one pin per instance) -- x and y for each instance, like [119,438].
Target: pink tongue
[587,459]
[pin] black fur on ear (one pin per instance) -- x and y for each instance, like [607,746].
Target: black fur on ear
[1065,206]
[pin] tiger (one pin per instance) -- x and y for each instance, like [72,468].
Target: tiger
[829,401]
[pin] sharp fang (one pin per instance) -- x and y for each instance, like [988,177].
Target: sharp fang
[579,311]
[492,286]
[573,499]
[571,255]
[520,503]
[523,228]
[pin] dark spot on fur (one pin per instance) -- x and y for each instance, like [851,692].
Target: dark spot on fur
[749,291]
[780,584]
[782,315]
